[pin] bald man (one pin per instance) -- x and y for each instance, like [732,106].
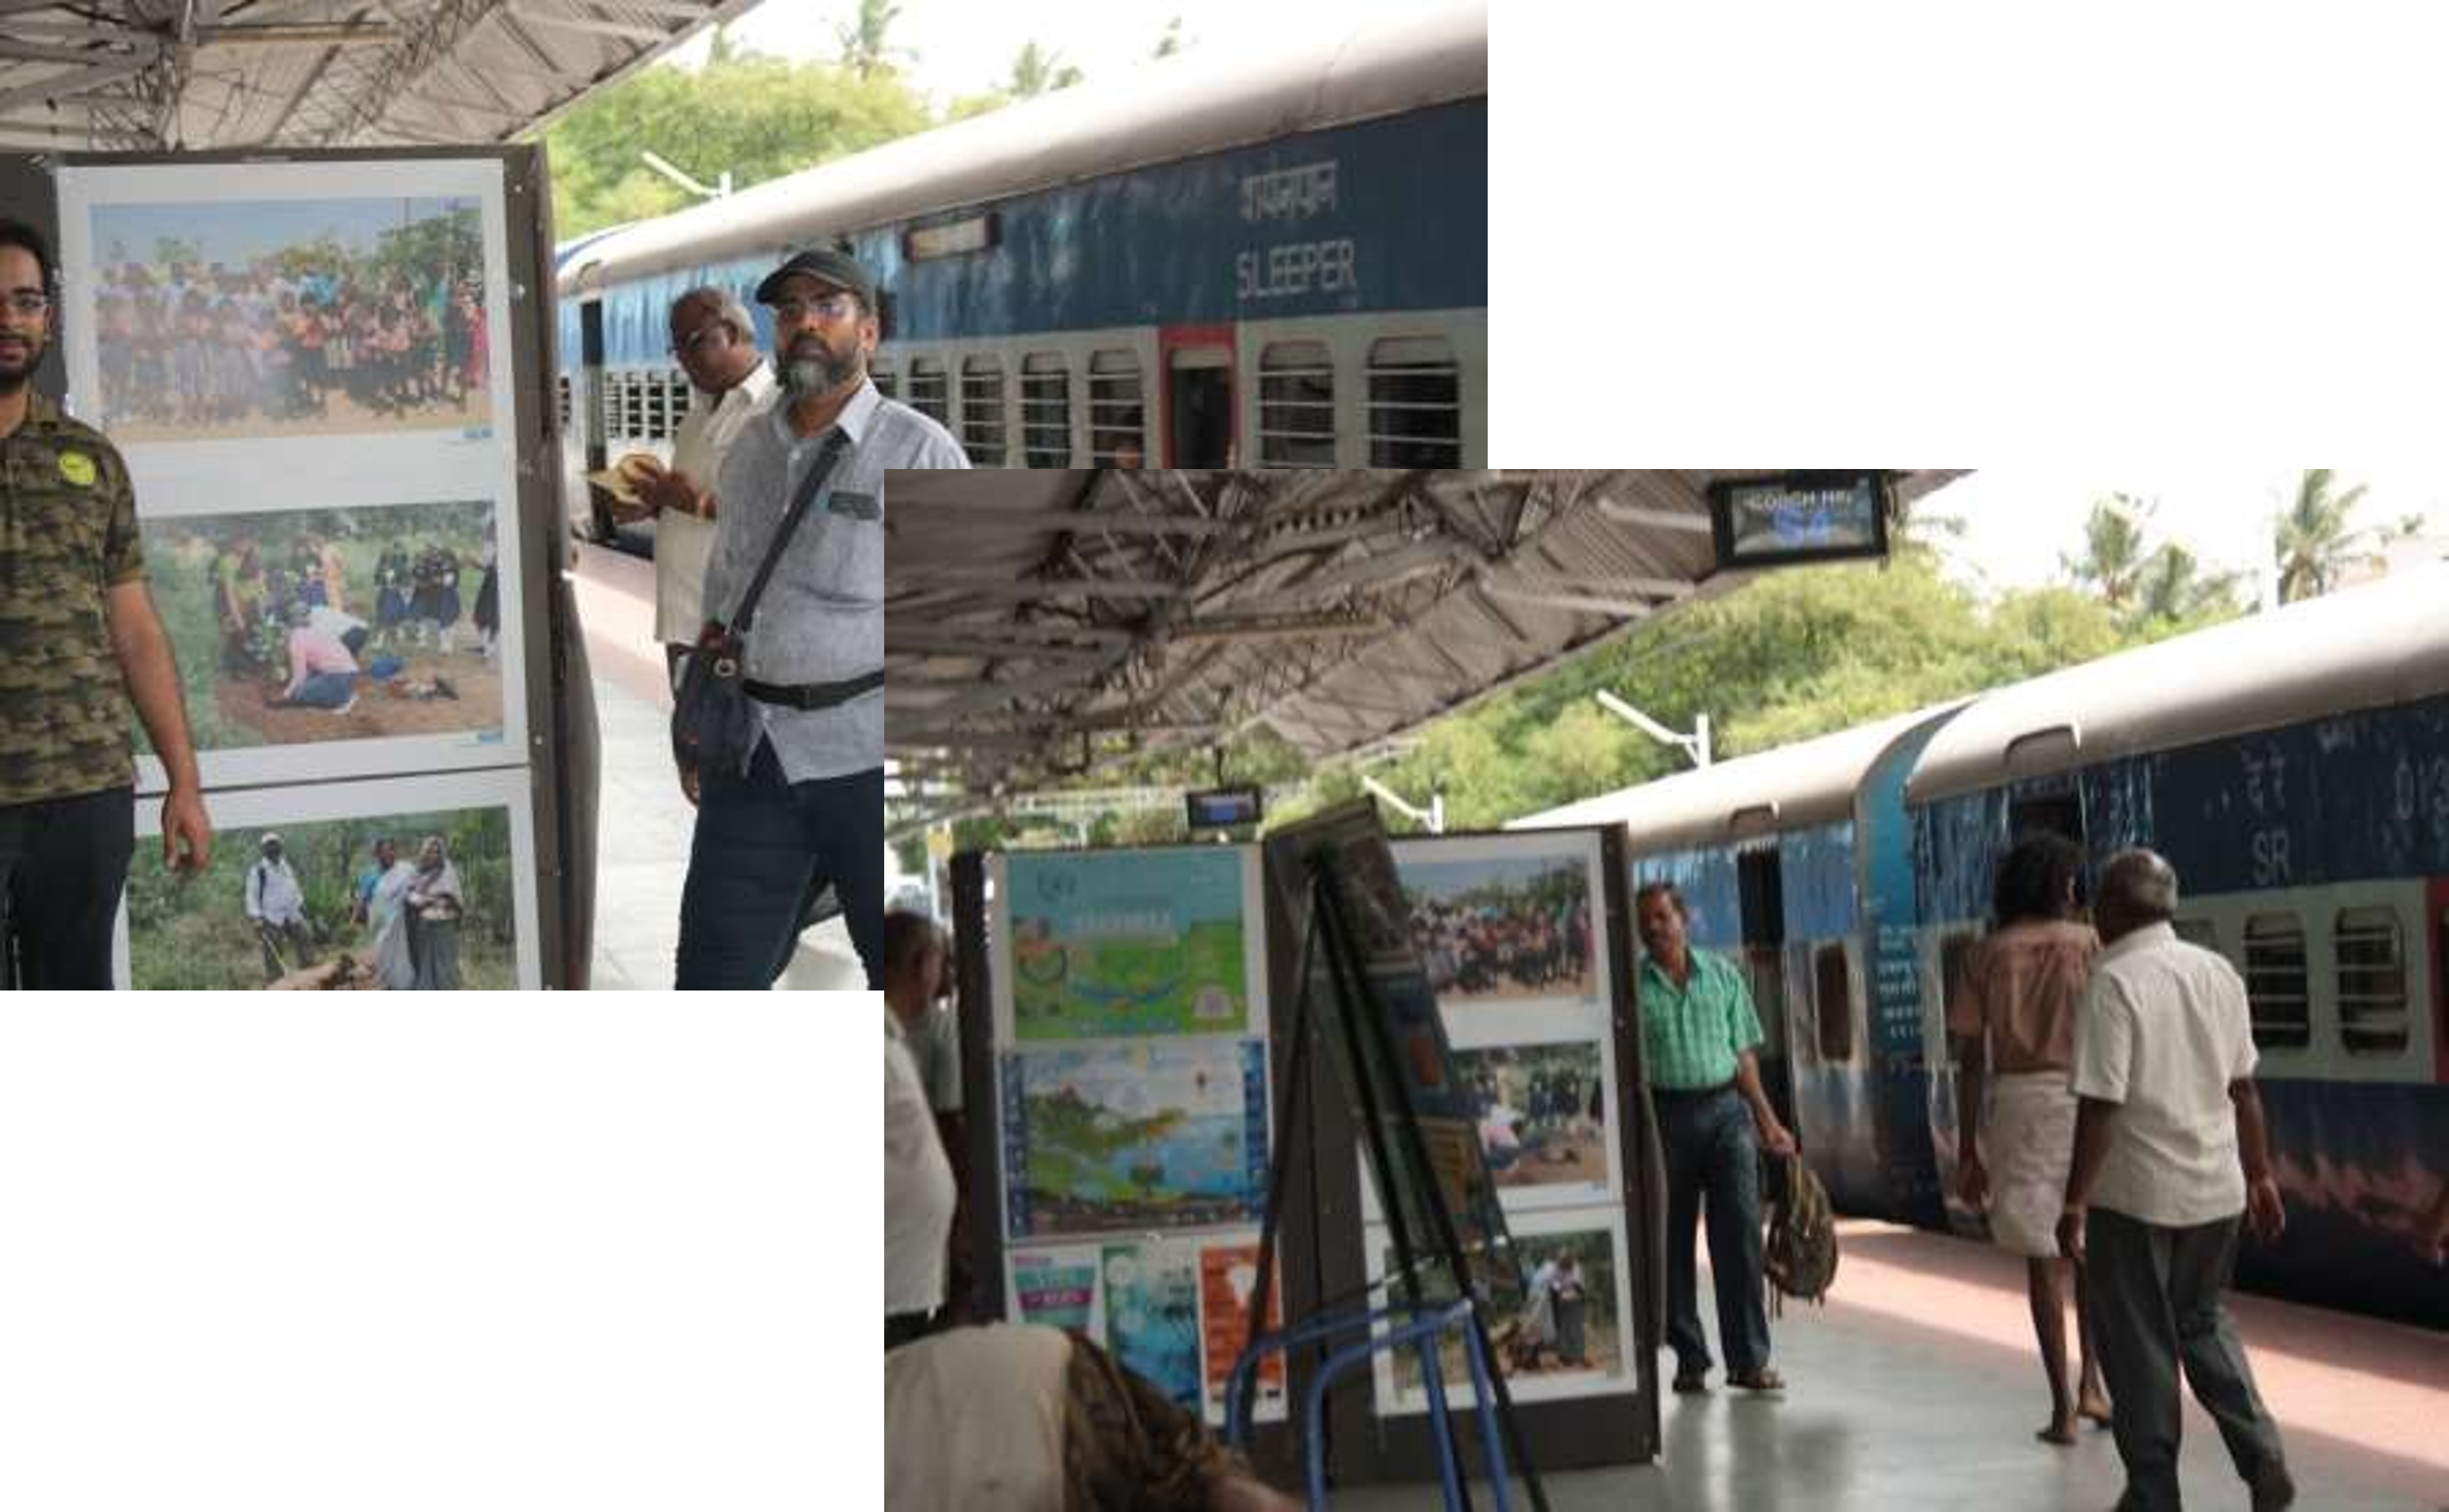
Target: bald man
[2169,1154]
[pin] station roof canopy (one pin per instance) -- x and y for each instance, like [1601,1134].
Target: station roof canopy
[1042,625]
[134,75]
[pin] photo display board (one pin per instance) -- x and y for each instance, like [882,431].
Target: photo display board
[328,374]
[1133,1106]
[1511,931]
[307,368]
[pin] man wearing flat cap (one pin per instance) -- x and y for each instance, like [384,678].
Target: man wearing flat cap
[806,809]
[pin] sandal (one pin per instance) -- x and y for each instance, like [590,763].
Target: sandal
[1763,1379]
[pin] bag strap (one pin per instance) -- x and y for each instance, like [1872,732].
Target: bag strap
[836,443]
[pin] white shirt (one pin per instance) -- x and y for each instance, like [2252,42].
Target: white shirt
[333,622]
[272,893]
[2162,1030]
[918,1191]
[974,1418]
[682,541]
[934,1049]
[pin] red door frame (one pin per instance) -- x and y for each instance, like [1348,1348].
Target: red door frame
[1170,340]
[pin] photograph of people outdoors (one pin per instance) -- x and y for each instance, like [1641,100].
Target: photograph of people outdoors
[392,901]
[1567,1333]
[307,625]
[215,321]
[1541,1112]
[1506,927]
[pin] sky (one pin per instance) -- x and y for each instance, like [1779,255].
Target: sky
[960,48]
[234,233]
[2020,520]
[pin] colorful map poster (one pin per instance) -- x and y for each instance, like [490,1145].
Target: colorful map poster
[1152,1316]
[1152,1134]
[1228,1274]
[1121,943]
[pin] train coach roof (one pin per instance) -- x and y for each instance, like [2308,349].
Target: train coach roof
[1794,787]
[2356,650]
[1194,104]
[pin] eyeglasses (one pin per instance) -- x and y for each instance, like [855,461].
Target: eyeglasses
[26,301]
[834,306]
[690,345]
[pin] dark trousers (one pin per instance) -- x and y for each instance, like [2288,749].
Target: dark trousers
[764,849]
[1713,1154]
[2156,1295]
[63,866]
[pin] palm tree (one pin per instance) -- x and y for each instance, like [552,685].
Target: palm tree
[2314,539]
[2113,558]
[864,50]
[1037,70]
[2173,586]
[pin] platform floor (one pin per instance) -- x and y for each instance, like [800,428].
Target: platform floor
[1917,1386]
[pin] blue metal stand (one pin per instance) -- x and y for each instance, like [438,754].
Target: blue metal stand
[1428,1326]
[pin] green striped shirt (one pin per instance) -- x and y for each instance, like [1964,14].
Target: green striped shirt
[1693,1033]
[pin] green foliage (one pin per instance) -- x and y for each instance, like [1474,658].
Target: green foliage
[754,116]
[1037,70]
[2317,536]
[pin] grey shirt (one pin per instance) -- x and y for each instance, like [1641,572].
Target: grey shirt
[821,619]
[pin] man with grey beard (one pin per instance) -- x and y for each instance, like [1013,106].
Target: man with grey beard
[806,808]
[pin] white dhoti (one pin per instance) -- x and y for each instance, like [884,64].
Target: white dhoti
[2028,1143]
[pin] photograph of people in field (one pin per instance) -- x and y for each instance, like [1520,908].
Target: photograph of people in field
[395,901]
[298,626]
[1541,1112]
[288,317]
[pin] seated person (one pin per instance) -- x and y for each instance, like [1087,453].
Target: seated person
[322,675]
[1031,1419]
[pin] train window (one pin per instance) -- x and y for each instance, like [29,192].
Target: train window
[2275,982]
[1045,411]
[929,395]
[1414,404]
[888,383]
[2198,931]
[982,411]
[561,400]
[1117,423]
[1295,406]
[633,406]
[679,400]
[2372,981]
[1833,998]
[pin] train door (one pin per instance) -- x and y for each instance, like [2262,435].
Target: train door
[1759,885]
[1198,362]
[587,401]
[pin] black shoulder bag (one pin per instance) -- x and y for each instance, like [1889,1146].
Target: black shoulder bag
[713,727]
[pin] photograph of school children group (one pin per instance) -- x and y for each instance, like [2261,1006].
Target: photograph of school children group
[1515,928]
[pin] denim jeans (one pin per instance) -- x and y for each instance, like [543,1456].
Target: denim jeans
[1712,1153]
[62,865]
[763,850]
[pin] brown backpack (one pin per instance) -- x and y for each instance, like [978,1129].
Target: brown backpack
[1799,1257]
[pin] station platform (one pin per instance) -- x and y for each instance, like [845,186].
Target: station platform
[1918,1384]
[643,820]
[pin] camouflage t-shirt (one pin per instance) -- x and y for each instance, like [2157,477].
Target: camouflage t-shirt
[68,534]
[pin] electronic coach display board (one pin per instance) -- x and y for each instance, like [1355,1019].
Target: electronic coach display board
[1798,518]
